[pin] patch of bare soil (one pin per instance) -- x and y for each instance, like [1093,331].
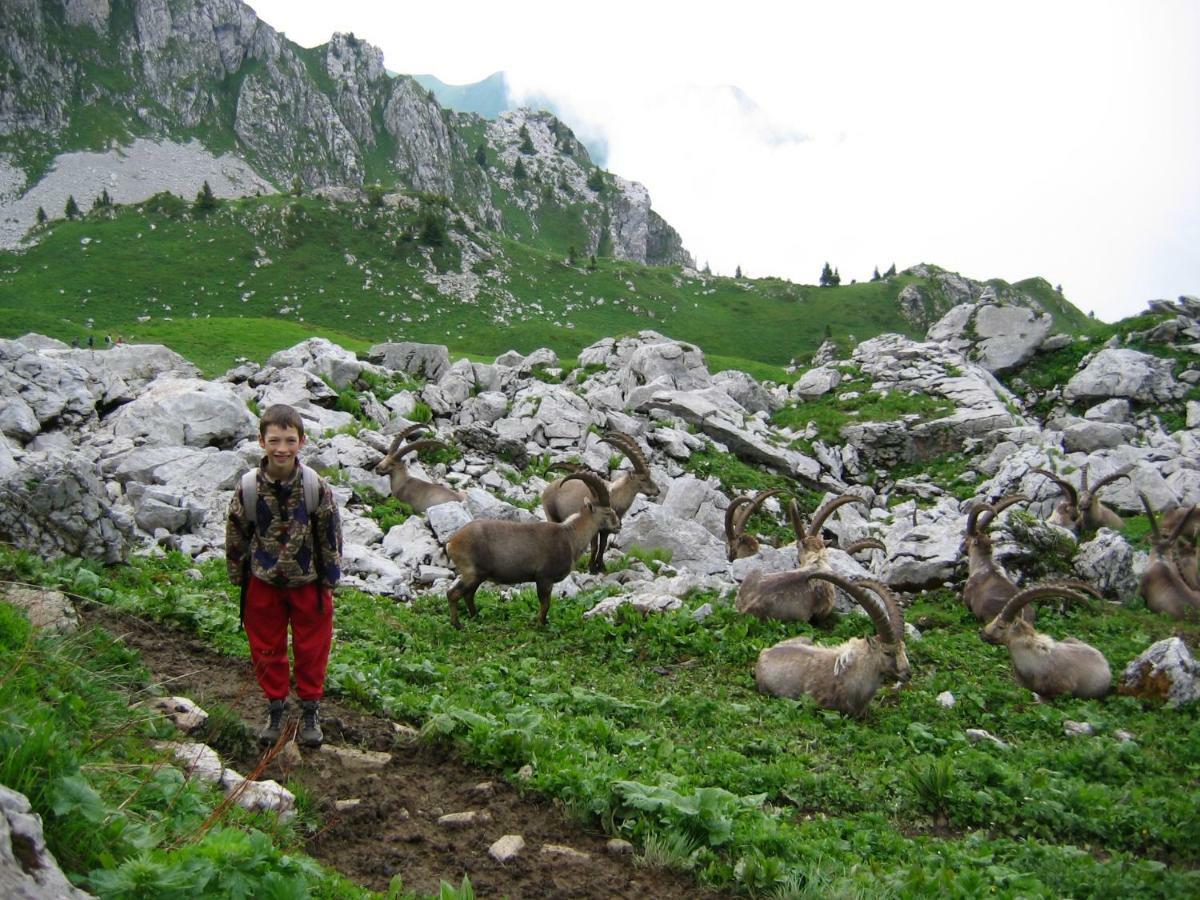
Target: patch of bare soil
[394,828]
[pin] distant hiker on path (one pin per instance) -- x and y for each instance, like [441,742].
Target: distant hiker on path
[283,546]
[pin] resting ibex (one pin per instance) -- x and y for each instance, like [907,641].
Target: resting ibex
[738,544]
[792,596]
[416,492]
[987,588]
[1042,664]
[847,676]
[563,498]
[1081,511]
[1187,519]
[1163,583]
[516,552]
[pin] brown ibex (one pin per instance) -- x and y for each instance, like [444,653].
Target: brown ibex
[793,596]
[416,492]
[563,498]
[987,588]
[1163,584]
[1081,511]
[1187,519]
[847,676]
[738,544]
[1042,664]
[517,552]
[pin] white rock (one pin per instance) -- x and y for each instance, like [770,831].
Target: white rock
[946,700]
[507,848]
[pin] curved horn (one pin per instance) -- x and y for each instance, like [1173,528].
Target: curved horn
[797,520]
[1022,599]
[866,544]
[822,514]
[1150,515]
[565,466]
[1106,480]
[1000,506]
[734,522]
[599,488]
[973,516]
[630,448]
[1183,521]
[882,609]
[1065,486]
[401,435]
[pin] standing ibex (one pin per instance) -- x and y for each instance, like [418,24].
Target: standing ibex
[1163,583]
[516,552]
[416,492]
[987,588]
[1042,664]
[847,676]
[563,498]
[792,596]
[738,544]
[1081,511]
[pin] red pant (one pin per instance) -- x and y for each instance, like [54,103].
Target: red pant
[269,609]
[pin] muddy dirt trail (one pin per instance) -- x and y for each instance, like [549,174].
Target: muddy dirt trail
[394,828]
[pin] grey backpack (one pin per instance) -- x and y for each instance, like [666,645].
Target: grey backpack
[312,493]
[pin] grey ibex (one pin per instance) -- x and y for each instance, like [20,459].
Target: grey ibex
[792,596]
[416,492]
[739,544]
[847,676]
[988,588]
[517,552]
[1042,664]
[1164,585]
[1081,511]
[564,497]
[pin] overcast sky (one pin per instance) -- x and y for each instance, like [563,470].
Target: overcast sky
[1004,140]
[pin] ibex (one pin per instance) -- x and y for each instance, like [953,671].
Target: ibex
[1081,511]
[847,676]
[1163,583]
[516,552]
[793,596]
[416,492]
[987,588]
[1187,519]
[1042,664]
[563,498]
[738,544]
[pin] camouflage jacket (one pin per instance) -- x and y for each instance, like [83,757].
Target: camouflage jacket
[280,549]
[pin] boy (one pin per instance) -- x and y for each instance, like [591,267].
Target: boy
[287,565]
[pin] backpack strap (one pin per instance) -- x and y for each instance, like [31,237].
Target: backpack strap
[250,497]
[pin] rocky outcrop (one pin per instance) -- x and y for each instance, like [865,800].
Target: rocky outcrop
[28,869]
[998,338]
[1166,671]
[1128,374]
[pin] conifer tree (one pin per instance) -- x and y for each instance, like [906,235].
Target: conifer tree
[738,272]
[596,180]
[481,155]
[205,201]
[837,278]
[41,216]
[890,272]
[826,275]
[526,142]
[519,170]
[71,210]
[876,276]
[297,186]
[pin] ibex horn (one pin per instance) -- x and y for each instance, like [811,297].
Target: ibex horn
[1022,599]
[822,514]
[629,447]
[599,488]
[1065,486]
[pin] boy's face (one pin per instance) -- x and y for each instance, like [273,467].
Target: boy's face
[282,445]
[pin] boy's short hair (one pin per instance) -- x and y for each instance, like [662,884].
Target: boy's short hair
[281,415]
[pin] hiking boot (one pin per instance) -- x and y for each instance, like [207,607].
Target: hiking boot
[268,736]
[310,727]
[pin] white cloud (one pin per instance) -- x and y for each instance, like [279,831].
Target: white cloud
[1012,140]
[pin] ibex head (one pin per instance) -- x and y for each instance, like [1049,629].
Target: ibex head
[394,460]
[640,476]
[738,544]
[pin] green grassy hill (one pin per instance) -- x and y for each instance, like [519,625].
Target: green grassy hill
[258,274]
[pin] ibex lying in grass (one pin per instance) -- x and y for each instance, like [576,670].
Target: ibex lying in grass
[793,596]
[563,498]
[847,676]
[1042,664]
[738,544]
[516,552]
[416,492]
[987,588]
[1187,520]
[1081,511]
[1164,585]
